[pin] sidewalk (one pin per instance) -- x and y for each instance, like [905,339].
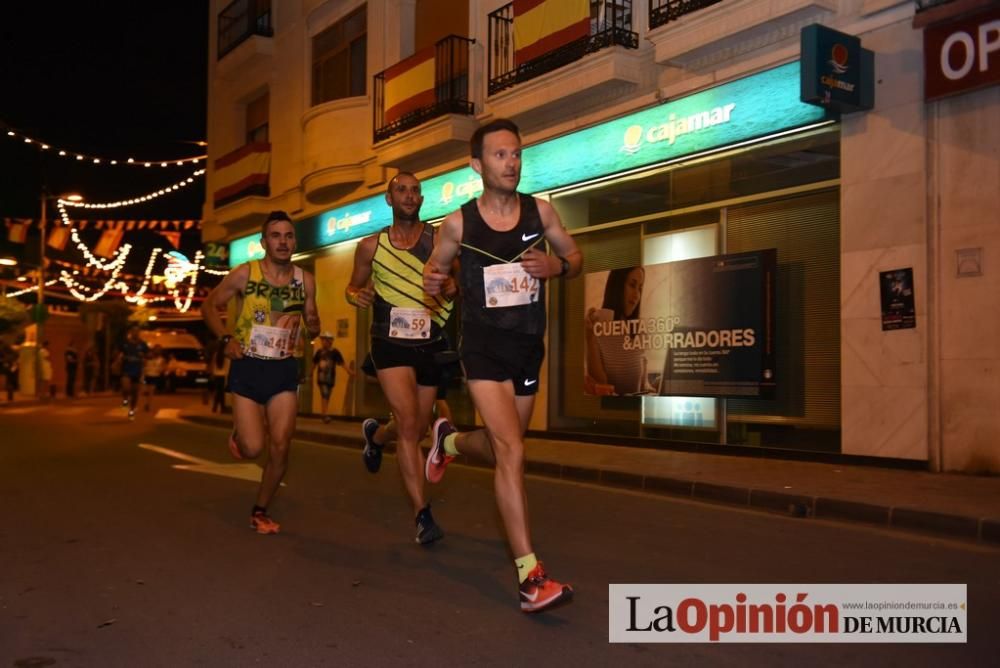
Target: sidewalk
[958,506]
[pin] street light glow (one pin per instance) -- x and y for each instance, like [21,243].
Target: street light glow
[8,262]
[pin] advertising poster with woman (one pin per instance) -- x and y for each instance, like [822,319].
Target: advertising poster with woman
[702,327]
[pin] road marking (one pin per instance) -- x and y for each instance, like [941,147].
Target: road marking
[22,411]
[245,471]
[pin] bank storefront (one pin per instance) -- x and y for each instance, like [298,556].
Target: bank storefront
[744,174]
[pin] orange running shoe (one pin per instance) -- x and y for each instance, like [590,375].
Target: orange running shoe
[234,448]
[263,524]
[437,458]
[539,591]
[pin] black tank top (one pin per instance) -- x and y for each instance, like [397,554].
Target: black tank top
[482,247]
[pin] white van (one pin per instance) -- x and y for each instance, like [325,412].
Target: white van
[187,365]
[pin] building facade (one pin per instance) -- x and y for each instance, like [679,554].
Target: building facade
[663,132]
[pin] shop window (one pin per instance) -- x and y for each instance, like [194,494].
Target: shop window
[339,61]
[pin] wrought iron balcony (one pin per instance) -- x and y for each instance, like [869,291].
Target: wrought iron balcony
[610,25]
[240,20]
[421,100]
[664,11]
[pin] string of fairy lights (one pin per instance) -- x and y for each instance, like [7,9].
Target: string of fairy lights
[179,275]
[14,134]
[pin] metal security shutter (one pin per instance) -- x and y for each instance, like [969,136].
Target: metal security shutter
[806,232]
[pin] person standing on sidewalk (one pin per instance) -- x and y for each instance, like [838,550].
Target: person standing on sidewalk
[325,362]
[91,364]
[502,237]
[219,369]
[72,358]
[152,375]
[273,297]
[406,334]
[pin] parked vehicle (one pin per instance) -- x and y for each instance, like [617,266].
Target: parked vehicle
[187,365]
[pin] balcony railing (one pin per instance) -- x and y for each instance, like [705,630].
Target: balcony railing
[663,11]
[923,5]
[610,25]
[240,20]
[449,93]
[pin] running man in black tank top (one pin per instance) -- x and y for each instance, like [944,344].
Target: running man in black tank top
[406,335]
[501,239]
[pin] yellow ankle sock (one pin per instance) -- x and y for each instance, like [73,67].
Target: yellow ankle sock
[449,444]
[525,565]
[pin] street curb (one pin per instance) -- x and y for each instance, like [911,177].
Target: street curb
[912,520]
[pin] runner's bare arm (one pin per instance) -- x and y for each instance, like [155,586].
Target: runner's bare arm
[446,246]
[231,286]
[311,312]
[540,265]
[359,291]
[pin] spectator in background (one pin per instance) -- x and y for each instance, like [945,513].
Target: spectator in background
[218,365]
[91,365]
[152,375]
[47,369]
[325,362]
[72,358]
[9,368]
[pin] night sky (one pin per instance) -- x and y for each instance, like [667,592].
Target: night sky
[113,79]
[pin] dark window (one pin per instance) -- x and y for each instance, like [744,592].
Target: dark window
[339,62]
[257,119]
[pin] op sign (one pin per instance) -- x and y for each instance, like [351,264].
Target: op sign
[962,55]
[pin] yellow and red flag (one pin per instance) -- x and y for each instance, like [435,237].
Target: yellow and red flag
[109,242]
[59,236]
[409,84]
[541,26]
[17,230]
[242,173]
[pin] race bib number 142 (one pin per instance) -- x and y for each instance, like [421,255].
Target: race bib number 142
[509,285]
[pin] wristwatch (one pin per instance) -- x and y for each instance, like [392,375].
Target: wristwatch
[226,338]
[564,264]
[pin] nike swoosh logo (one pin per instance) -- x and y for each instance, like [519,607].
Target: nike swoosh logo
[528,237]
[532,596]
[528,383]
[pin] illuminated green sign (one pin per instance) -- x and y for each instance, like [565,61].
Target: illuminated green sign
[755,106]
[244,249]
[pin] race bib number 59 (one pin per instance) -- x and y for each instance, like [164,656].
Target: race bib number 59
[509,285]
[409,323]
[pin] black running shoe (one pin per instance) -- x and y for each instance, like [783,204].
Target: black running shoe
[427,529]
[372,453]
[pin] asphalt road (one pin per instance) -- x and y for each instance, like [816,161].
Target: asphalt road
[111,556]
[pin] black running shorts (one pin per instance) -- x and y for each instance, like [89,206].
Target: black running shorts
[386,355]
[499,355]
[260,380]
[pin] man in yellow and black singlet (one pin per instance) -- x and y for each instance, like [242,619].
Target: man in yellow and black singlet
[406,336]
[273,298]
[502,236]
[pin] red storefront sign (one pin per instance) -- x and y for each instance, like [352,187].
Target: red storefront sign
[962,55]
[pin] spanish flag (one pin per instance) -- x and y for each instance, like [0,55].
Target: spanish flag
[409,85]
[242,173]
[540,26]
